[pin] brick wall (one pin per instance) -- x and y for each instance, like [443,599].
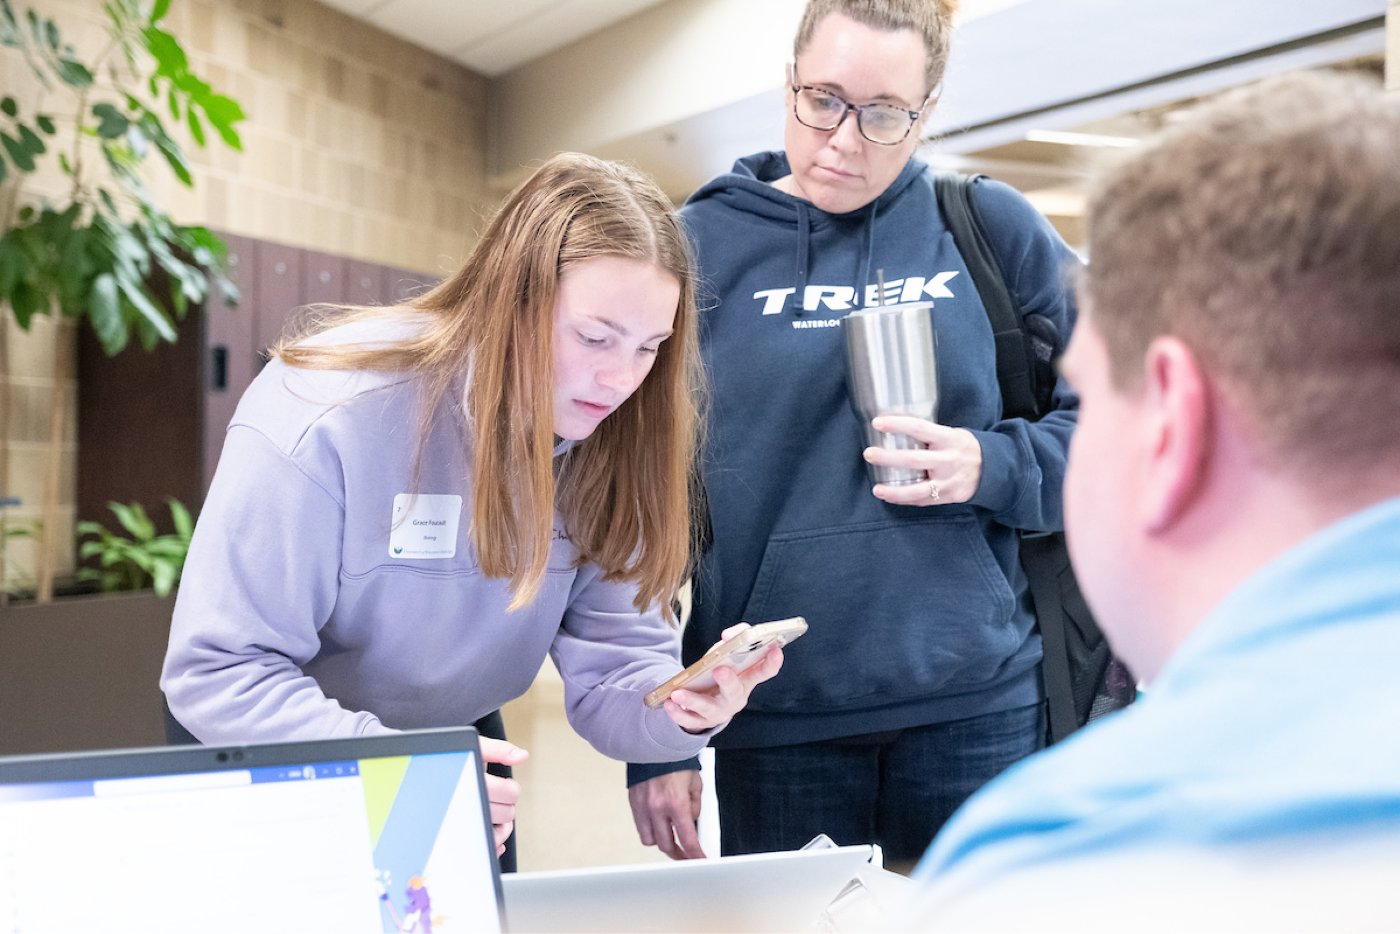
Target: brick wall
[357,144]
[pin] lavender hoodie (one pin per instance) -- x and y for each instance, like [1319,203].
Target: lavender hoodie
[321,598]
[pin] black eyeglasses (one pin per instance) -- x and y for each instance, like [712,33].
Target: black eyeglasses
[883,124]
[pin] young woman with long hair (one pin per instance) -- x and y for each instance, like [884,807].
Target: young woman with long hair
[416,504]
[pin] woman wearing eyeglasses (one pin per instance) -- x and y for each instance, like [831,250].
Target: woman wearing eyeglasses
[918,678]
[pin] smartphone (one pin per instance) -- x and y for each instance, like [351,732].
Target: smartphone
[740,652]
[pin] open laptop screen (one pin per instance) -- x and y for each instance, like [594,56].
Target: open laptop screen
[378,834]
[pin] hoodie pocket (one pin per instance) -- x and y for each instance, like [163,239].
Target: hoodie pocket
[896,610]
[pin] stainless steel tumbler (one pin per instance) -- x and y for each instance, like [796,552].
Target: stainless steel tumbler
[892,369]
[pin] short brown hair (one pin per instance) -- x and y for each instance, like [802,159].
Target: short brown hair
[1264,230]
[931,19]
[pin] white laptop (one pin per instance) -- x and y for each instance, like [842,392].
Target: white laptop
[784,891]
[377,834]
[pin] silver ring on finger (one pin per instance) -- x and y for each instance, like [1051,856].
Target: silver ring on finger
[933,493]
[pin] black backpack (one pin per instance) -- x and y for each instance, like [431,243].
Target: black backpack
[1082,678]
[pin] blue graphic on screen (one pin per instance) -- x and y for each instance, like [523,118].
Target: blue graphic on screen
[408,801]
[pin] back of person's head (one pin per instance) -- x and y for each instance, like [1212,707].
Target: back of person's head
[1264,230]
[932,20]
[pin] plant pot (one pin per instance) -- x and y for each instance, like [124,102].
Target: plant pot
[83,672]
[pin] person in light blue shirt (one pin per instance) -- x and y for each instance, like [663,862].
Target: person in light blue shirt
[1232,503]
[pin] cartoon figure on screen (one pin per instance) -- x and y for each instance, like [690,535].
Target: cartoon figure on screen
[418,909]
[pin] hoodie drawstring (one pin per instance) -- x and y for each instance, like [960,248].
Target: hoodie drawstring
[866,258]
[804,236]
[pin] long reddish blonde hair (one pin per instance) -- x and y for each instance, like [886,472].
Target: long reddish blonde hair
[624,493]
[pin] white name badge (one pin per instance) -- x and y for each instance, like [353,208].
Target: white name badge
[425,526]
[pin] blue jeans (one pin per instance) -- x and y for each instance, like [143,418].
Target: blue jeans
[894,788]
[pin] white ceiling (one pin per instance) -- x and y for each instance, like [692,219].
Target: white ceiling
[1009,75]
[491,36]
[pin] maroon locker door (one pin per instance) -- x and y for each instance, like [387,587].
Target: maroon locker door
[230,354]
[366,283]
[138,421]
[276,293]
[323,279]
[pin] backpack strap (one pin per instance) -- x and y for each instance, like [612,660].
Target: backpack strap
[1016,376]
[1015,366]
[1046,561]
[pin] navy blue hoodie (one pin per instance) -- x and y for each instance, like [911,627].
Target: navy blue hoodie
[916,615]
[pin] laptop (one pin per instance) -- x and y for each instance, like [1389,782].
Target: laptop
[786,891]
[375,834]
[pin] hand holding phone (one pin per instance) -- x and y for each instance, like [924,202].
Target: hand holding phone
[739,651]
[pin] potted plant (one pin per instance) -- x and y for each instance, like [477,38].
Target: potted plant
[105,253]
[82,672]
[141,558]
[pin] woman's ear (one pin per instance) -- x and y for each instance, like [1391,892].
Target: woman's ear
[1178,404]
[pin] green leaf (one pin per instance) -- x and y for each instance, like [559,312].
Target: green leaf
[10,106]
[64,164]
[222,113]
[169,149]
[26,302]
[134,519]
[73,73]
[166,50]
[158,12]
[173,101]
[51,34]
[18,152]
[129,563]
[184,525]
[74,271]
[133,259]
[25,213]
[196,127]
[141,560]
[187,283]
[105,314]
[32,141]
[12,267]
[3,170]
[134,291]
[46,124]
[166,546]
[112,123]
[163,578]
[114,16]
